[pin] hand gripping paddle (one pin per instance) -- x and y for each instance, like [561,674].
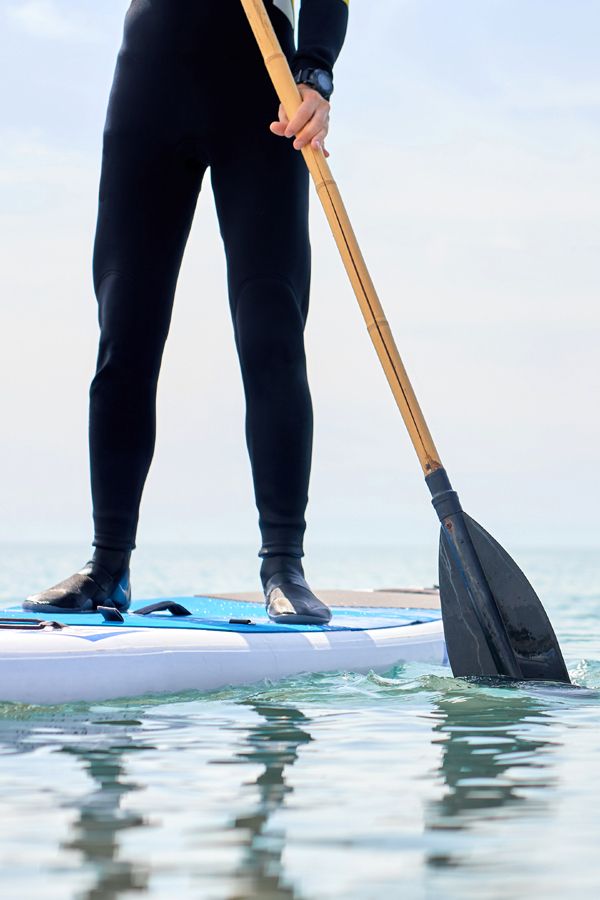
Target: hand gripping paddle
[494,622]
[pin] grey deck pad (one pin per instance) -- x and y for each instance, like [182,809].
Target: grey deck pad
[398,598]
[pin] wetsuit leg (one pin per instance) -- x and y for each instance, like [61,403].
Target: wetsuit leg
[261,192]
[167,120]
[151,175]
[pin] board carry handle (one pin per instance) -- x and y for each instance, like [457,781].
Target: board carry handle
[176,609]
[329,195]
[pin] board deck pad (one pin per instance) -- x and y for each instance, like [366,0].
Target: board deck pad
[214,614]
[392,598]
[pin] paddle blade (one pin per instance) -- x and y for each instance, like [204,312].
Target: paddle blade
[528,627]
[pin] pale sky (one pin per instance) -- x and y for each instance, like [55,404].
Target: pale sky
[466,143]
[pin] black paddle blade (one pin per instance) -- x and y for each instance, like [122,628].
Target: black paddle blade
[528,627]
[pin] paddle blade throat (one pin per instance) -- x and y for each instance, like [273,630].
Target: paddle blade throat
[525,621]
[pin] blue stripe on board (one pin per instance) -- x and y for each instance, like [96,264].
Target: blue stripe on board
[210,614]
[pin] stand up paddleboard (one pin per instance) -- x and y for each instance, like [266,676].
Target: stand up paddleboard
[204,643]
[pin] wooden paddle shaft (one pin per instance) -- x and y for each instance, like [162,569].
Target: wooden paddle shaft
[345,239]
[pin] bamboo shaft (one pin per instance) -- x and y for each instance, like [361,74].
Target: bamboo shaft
[345,239]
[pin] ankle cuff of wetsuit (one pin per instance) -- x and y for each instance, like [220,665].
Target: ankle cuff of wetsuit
[102,544]
[294,550]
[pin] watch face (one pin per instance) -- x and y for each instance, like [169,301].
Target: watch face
[324,81]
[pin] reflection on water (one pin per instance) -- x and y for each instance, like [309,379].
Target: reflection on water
[373,813]
[97,805]
[274,743]
[100,818]
[100,822]
[495,760]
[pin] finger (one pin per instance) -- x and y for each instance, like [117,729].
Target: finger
[310,103]
[280,126]
[326,152]
[317,128]
[318,142]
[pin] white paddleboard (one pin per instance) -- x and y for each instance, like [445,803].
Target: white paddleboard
[222,641]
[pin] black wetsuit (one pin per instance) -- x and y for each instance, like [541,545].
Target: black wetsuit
[191,92]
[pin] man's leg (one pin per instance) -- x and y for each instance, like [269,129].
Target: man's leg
[142,230]
[151,176]
[262,201]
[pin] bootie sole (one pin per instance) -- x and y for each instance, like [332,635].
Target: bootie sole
[299,619]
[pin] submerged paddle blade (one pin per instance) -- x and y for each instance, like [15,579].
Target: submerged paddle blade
[528,627]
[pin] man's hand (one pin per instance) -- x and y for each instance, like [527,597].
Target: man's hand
[310,124]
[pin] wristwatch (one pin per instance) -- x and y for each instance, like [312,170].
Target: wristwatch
[318,79]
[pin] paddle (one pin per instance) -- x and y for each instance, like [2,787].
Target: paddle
[494,623]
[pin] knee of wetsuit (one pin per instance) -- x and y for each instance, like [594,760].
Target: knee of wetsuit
[269,325]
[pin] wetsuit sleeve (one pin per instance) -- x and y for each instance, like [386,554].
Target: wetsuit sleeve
[321,31]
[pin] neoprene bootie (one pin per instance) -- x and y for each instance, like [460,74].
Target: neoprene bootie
[288,597]
[103,581]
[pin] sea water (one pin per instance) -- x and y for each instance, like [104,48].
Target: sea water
[413,785]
